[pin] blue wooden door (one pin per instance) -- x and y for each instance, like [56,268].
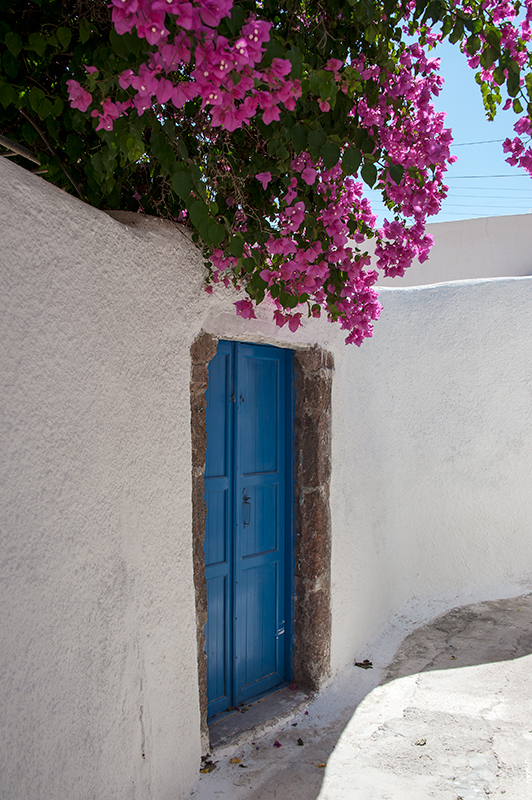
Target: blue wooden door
[247,560]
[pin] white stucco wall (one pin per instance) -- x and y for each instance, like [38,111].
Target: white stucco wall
[487,247]
[98,655]
[431,497]
[98,630]
[432,488]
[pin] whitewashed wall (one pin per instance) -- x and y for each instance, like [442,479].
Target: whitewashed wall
[430,495]
[432,448]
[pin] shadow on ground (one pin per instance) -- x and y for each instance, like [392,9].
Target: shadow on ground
[393,732]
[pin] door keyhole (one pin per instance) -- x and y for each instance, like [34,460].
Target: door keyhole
[246,510]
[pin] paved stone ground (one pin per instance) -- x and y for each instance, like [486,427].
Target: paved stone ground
[451,719]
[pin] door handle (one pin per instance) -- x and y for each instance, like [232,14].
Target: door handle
[246,510]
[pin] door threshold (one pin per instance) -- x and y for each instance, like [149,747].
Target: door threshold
[267,711]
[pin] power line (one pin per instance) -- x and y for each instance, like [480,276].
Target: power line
[483,205]
[486,196]
[483,177]
[491,188]
[467,144]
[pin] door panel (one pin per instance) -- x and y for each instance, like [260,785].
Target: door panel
[249,423]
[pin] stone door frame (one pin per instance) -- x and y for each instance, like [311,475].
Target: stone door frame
[313,371]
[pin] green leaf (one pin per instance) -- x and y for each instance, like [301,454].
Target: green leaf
[45,108]
[37,42]
[57,107]
[216,234]
[198,212]
[249,265]
[435,11]
[84,31]
[119,44]
[330,154]
[512,84]
[34,97]
[182,149]
[296,59]
[473,45]
[8,95]
[447,25]
[488,57]
[64,35]
[458,32]
[493,37]
[182,183]
[518,108]
[273,146]
[291,301]
[236,245]
[369,174]
[396,172]
[97,163]
[237,19]
[368,145]
[319,80]
[499,76]
[370,34]
[274,49]
[13,43]
[351,161]
[204,228]
[316,140]
[299,138]
[11,64]
[162,150]
[74,146]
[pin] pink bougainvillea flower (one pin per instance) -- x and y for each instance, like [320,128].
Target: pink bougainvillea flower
[294,321]
[334,64]
[78,96]
[91,70]
[324,105]
[213,11]
[264,178]
[523,126]
[280,67]
[309,175]
[271,115]
[279,318]
[111,111]
[244,308]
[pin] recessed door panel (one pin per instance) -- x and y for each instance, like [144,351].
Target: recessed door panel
[259,519]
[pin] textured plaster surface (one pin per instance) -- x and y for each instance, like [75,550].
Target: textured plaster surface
[447,717]
[430,494]
[98,665]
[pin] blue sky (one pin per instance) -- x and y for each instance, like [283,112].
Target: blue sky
[485,194]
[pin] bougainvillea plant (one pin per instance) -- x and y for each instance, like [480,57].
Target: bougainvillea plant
[258,124]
